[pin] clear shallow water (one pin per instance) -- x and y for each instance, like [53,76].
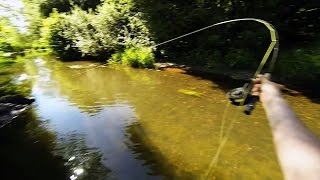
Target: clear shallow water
[123,123]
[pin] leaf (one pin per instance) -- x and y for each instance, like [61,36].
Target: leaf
[190,92]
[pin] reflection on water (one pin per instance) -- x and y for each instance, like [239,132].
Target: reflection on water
[84,162]
[122,123]
[91,133]
[26,152]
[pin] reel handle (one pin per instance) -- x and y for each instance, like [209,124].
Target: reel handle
[251,104]
[254,99]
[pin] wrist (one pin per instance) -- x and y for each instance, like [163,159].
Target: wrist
[271,97]
[269,92]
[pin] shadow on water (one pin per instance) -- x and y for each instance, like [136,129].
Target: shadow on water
[29,151]
[226,83]
[26,151]
[310,92]
[153,158]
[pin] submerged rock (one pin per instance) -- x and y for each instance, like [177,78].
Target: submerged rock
[16,99]
[83,66]
[168,65]
[11,106]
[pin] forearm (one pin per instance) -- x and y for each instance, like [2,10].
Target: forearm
[297,148]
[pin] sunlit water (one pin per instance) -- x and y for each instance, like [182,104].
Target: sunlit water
[123,123]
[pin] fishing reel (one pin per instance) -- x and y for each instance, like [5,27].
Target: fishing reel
[242,97]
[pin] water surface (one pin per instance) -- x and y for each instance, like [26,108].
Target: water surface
[122,123]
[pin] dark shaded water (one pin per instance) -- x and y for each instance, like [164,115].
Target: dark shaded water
[95,122]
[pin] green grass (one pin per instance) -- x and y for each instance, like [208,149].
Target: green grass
[142,57]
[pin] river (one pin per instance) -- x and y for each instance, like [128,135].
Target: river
[121,123]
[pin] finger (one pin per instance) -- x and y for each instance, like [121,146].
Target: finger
[267,76]
[257,93]
[280,86]
[265,80]
[256,88]
[256,80]
[259,76]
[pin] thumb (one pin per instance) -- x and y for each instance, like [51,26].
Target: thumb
[265,78]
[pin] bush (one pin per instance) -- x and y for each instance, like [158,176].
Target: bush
[113,27]
[11,40]
[238,58]
[47,27]
[202,57]
[53,36]
[79,30]
[135,57]
[299,66]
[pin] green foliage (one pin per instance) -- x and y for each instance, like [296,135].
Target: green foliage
[115,58]
[135,57]
[238,58]
[113,27]
[214,60]
[31,13]
[123,28]
[300,66]
[48,26]
[10,39]
[240,44]
[46,7]
[52,36]
[209,58]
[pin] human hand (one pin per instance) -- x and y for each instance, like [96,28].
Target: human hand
[265,89]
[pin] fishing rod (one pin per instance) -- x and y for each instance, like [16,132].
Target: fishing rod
[241,96]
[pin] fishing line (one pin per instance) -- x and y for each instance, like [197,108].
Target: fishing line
[222,140]
[273,47]
[225,112]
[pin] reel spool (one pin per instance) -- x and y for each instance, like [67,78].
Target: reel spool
[241,97]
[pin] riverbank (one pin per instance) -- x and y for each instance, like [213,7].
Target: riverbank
[218,73]
[244,75]
[13,96]
[11,106]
